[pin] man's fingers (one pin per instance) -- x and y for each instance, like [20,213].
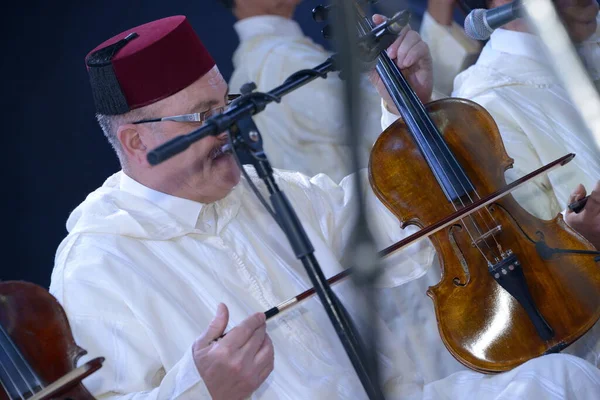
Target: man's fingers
[378,19]
[251,347]
[265,358]
[416,53]
[392,51]
[578,194]
[216,327]
[264,373]
[266,352]
[411,39]
[242,333]
[592,206]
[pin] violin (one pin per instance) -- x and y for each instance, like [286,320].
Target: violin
[513,287]
[38,355]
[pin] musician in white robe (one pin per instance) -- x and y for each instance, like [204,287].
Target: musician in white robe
[152,253]
[451,50]
[306,132]
[538,123]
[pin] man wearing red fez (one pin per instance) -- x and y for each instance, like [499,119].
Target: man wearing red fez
[160,261]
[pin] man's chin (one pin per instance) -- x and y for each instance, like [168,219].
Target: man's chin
[232,173]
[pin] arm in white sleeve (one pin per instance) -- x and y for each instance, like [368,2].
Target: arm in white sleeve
[316,108]
[332,208]
[451,50]
[103,325]
[387,117]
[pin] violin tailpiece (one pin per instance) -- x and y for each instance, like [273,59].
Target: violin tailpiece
[509,274]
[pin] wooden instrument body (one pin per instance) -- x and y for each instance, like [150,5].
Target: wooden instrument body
[480,323]
[38,326]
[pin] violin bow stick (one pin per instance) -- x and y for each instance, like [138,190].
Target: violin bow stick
[69,380]
[428,231]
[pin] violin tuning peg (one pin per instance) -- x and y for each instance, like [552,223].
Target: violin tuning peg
[321,13]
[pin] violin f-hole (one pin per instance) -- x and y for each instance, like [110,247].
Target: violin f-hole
[459,255]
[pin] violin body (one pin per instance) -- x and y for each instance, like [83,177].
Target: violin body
[38,327]
[485,327]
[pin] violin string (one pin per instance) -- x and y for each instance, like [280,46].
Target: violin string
[437,133]
[11,381]
[494,222]
[2,343]
[463,205]
[428,127]
[33,375]
[433,131]
[16,350]
[5,388]
[385,57]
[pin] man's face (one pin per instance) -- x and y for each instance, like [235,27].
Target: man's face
[201,169]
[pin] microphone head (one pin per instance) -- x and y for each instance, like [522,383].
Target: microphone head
[476,26]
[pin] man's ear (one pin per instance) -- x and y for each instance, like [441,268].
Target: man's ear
[131,138]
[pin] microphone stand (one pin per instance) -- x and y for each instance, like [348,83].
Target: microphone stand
[247,143]
[362,248]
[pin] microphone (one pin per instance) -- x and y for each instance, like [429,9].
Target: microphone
[480,23]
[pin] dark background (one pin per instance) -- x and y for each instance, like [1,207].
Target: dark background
[54,151]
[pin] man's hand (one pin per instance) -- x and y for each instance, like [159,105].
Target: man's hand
[587,222]
[579,17]
[235,366]
[411,55]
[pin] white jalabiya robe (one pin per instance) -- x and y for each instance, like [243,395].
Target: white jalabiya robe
[306,132]
[451,51]
[141,273]
[538,123]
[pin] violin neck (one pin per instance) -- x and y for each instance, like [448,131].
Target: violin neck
[442,162]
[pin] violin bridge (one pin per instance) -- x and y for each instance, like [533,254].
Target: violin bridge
[486,235]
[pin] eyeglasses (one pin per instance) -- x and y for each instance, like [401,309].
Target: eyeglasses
[194,117]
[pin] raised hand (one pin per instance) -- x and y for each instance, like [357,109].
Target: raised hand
[411,55]
[586,222]
[234,367]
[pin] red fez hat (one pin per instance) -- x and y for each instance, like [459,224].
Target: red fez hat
[146,64]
